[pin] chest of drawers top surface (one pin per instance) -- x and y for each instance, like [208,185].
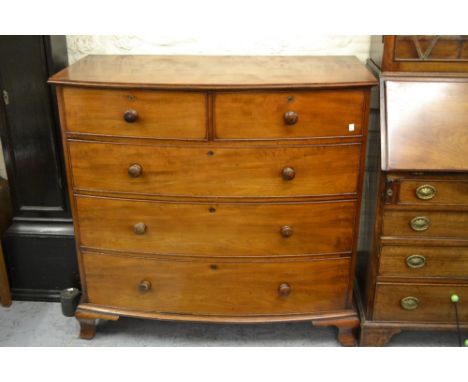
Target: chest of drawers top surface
[217,72]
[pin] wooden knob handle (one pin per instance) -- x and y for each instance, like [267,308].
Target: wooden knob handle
[284,289]
[139,228]
[144,286]
[290,117]
[130,115]
[135,170]
[286,231]
[288,173]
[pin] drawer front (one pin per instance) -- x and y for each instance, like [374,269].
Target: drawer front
[216,287]
[282,115]
[424,303]
[166,115]
[210,171]
[419,261]
[426,224]
[434,192]
[221,229]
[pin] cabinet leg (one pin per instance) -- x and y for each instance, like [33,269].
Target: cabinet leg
[87,320]
[87,328]
[347,328]
[376,336]
[5,296]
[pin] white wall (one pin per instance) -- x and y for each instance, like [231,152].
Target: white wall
[191,41]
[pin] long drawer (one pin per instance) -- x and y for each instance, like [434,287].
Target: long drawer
[135,113]
[219,229]
[421,261]
[426,223]
[215,286]
[216,171]
[417,302]
[289,115]
[434,192]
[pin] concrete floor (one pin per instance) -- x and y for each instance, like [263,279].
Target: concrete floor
[42,324]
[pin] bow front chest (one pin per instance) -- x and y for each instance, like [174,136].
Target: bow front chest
[219,189]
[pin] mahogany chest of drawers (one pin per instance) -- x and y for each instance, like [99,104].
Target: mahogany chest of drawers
[418,270]
[218,189]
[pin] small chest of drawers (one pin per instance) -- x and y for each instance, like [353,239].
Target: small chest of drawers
[419,256]
[219,189]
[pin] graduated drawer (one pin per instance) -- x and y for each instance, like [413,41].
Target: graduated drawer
[219,229]
[425,223]
[418,302]
[159,114]
[216,171]
[216,286]
[454,192]
[282,115]
[420,261]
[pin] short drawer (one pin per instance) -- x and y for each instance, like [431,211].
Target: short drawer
[216,171]
[434,192]
[417,302]
[450,224]
[214,286]
[135,113]
[420,261]
[218,229]
[283,115]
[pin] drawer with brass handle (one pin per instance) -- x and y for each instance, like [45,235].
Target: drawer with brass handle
[267,287]
[284,115]
[422,261]
[433,192]
[419,302]
[443,224]
[135,113]
[216,229]
[215,171]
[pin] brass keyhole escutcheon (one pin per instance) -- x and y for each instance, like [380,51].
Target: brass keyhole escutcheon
[144,286]
[420,223]
[426,192]
[416,261]
[410,303]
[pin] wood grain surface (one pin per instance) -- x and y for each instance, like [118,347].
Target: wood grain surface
[216,72]
[217,286]
[176,115]
[216,171]
[435,304]
[217,229]
[424,124]
[260,115]
[451,262]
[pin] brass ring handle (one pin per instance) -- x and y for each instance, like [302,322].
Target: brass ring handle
[130,115]
[286,231]
[139,228]
[284,289]
[144,286]
[415,261]
[426,192]
[420,223]
[290,117]
[135,170]
[410,303]
[288,173]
